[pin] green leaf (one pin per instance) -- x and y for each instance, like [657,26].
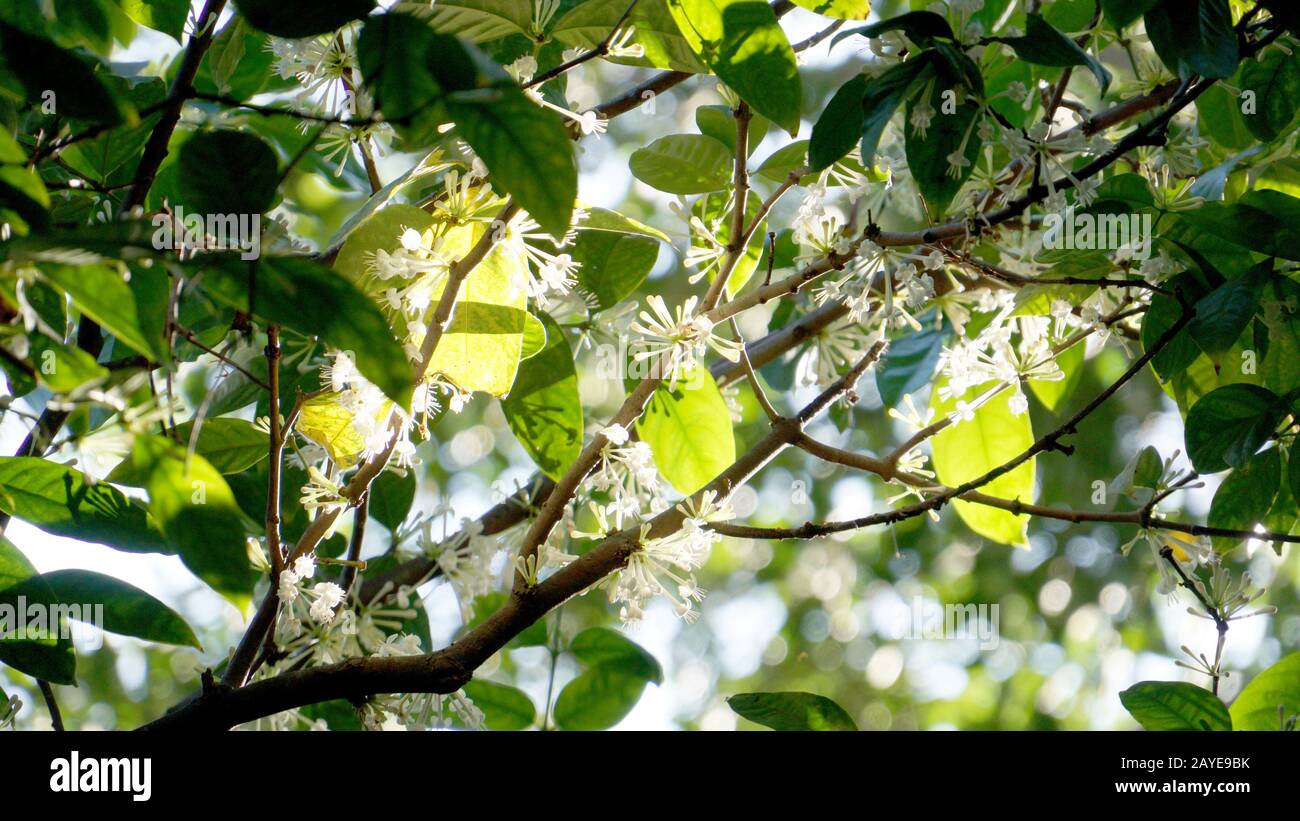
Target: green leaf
[613,264]
[683,164]
[127,610]
[38,71]
[743,43]
[1246,495]
[791,711]
[421,79]
[1265,221]
[840,124]
[968,449]
[714,210]
[1175,705]
[480,350]
[719,122]
[948,135]
[1222,315]
[62,369]
[481,20]
[597,699]
[167,16]
[103,294]
[297,293]
[51,658]
[909,364]
[1220,118]
[1052,393]
[884,94]
[329,421]
[199,514]
[504,707]
[783,162]
[534,338]
[251,191]
[391,497]
[1281,366]
[1277,687]
[302,18]
[544,409]
[587,24]
[534,635]
[1043,45]
[380,231]
[689,430]
[1165,310]
[23,193]
[1274,77]
[603,647]
[922,27]
[1119,13]
[1227,425]
[525,147]
[229,445]
[1194,37]
[58,500]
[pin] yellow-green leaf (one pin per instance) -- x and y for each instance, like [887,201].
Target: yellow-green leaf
[971,448]
[481,348]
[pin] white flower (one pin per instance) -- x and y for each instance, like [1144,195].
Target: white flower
[616,434]
[328,596]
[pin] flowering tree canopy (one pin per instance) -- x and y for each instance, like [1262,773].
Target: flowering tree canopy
[356,309]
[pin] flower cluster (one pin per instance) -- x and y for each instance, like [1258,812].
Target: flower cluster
[666,566]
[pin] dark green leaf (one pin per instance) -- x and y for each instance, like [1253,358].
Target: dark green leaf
[250,191]
[791,711]
[1194,37]
[745,46]
[597,699]
[1222,315]
[49,657]
[884,94]
[1120,13]
[949,135]
[1227,425]
[1043,45]
[504,707]
[229,445]
[302,18]
[391,497]
[127,610]
[544,409]
[298,293]
[920,26]
[1175,705]
[1246,495]
[601,646]
[839,126]
[58,500]
[1274,79]
[39,72]
[909,364]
